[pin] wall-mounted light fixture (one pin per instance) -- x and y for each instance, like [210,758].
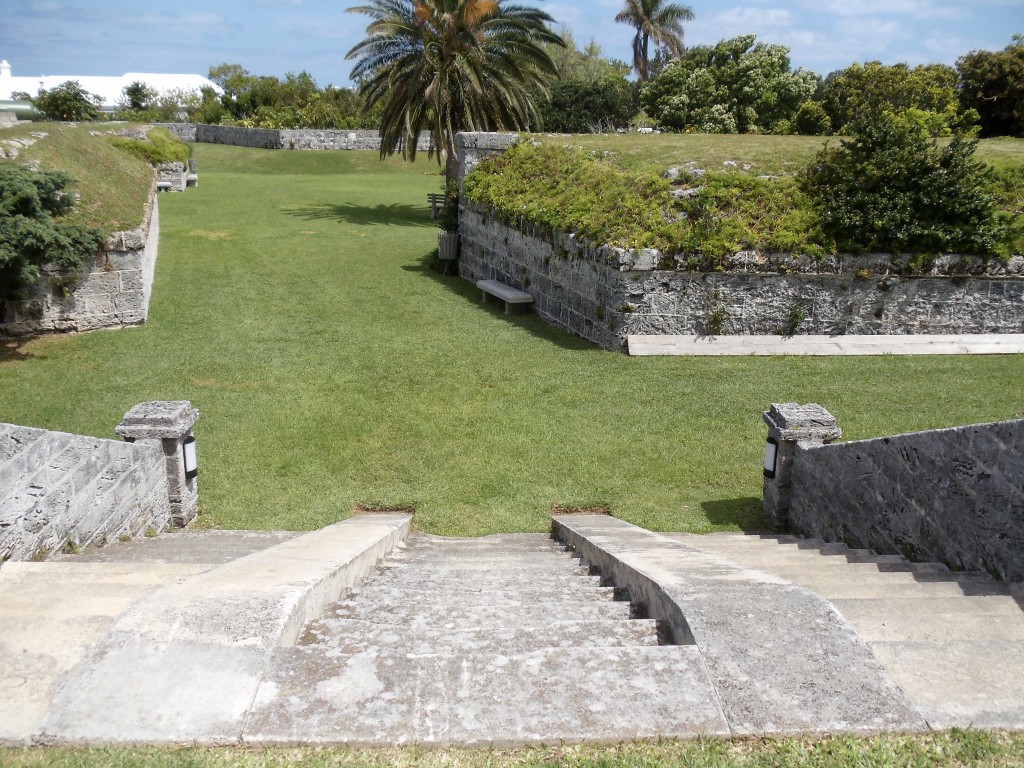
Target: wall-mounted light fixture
[771,454]
[188,449]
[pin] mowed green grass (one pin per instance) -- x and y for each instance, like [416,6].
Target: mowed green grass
[292,305]
[949,749]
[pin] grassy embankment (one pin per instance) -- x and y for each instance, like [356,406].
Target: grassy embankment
[293,307]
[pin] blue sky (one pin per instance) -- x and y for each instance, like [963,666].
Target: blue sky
[110,37]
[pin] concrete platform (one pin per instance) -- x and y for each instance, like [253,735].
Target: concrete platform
[924,344]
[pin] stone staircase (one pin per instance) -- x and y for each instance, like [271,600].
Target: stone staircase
[504,639]
[953,641]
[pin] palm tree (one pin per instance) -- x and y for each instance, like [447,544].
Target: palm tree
[450,66]
[658,21]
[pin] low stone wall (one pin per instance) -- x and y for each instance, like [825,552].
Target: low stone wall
[174,173]
[302,139]
[605,294]
[59,490]
[114,290]
[954,496]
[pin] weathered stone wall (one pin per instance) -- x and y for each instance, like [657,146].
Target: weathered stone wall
[605,294]
[58,489]
[184,131]
[173,173]
[114,290]
[303,139]
[951,495]
[472,148]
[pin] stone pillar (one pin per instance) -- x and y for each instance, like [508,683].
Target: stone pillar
[471,148]
[169,423]
[789,424]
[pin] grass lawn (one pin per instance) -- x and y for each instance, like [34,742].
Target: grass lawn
[937,750]
[293,307]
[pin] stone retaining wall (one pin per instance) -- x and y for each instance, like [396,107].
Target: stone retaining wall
[114,290]
[303,139]
[951,495]
[605,294]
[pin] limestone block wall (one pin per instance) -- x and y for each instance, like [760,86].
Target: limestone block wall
[113,292]
[605,294]
[302,139]
[58,489]
[175,173]
[951,495]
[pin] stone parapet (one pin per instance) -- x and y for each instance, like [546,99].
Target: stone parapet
[952,495]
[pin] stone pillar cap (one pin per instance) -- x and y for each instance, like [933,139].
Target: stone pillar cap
[158,419]
[792,421]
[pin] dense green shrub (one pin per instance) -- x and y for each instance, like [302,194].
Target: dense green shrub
[812,120]
[32,234]
[160,146]
[732,87]
[891,187]
[992,84]
[574,191]
[863,91]
[577,106]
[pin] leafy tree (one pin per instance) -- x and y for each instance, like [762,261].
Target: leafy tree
[67,102]
[658,21]
[855,94]
[577,106]
[892,187]
[732,87]
[585,65]
[452,65]
[31,233]
[992,84]
[137,95]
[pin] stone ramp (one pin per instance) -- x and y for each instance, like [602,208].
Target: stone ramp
[181,663]
[954,642]
[515,643]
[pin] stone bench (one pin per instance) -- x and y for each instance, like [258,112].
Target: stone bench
[436,200]
[514,298]
[192,180]
[163,186]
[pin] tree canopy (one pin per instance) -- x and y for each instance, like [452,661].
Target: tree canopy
[992,84]
[735,86]
[658,21]
[452,65]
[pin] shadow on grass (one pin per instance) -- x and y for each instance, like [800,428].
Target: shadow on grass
[528,320]
[11,350]
[393,214]
[746,513]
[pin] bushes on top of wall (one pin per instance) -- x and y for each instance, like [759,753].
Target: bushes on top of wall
[159,146]
[32,204]
[708,216]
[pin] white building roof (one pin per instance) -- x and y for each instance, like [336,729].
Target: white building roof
[109,89]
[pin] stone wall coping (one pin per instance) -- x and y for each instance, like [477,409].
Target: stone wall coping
[793,421]
[158,419]
[1007,423]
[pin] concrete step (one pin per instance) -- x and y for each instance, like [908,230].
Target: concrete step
[199,547]
[965,684]
[465,595]
[507,544]
[317,695]
[23,452]
[357,636]
[448,615]
[937,627]
[476,580]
